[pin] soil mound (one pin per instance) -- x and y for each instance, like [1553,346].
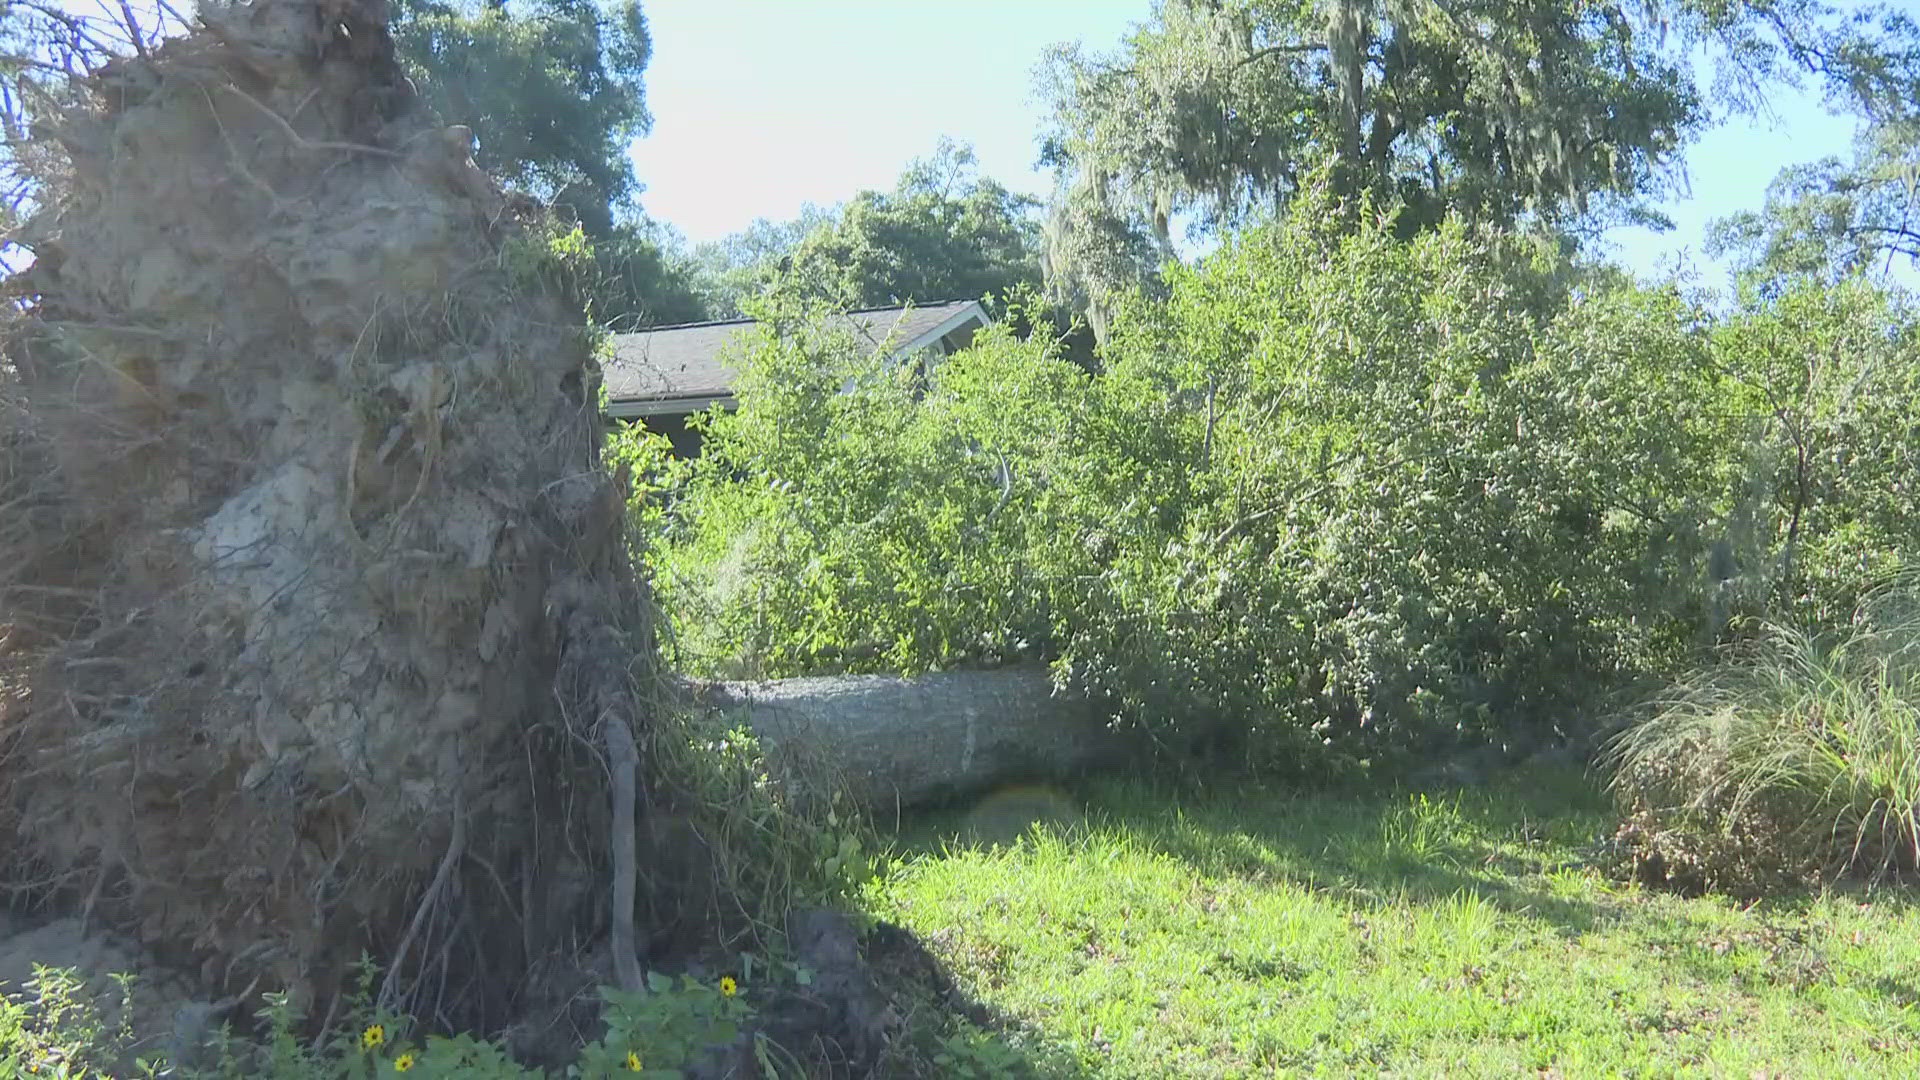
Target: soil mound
[322,633]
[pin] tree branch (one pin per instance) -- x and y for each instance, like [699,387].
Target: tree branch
[1281,50]
[134,33]
[1904,231]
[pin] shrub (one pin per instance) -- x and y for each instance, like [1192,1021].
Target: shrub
[853,519]
[1422,485]
[56,1027]
[1797,760]
[1334,494]
[1827,397]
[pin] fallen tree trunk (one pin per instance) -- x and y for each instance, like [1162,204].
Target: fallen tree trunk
[887,740]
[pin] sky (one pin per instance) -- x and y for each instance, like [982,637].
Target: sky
[763,106]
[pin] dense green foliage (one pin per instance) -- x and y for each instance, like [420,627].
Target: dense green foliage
[554,93]
[1337,489]
[1545,112]
[943,233]
[736,268]
[643,277]
[1491,108]
[861,525]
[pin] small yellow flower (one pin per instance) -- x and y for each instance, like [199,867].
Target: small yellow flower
[374,1037]
[633,1061]
[403,1062]
[728,987]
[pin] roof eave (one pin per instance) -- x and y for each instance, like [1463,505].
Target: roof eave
[946,326]
[643,407]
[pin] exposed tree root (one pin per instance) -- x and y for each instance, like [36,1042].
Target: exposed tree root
[255,681]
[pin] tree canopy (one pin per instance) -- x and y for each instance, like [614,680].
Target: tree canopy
[737,266]
[1548,111]
[554,92]
[552,89]
[943,233]
[1830,219]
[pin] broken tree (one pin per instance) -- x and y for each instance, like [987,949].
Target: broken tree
[317,586]
[889,742]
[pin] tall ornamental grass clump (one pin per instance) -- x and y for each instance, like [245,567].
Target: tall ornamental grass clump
[1797,760]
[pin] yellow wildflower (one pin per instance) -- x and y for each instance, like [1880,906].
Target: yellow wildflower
[403,1062]
[374,1037]
[633,1061]
[728,987]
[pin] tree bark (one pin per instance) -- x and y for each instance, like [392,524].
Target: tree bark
[889,741]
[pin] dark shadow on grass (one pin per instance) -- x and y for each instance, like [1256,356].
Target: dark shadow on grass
[1498,842]
[1374,847]
[1899,991]
[946,1032]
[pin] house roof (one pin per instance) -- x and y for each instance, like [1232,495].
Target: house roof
[688,364]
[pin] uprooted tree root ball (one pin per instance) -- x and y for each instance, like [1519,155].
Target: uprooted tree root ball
[322,637]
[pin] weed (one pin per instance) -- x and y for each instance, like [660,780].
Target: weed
[659,1030]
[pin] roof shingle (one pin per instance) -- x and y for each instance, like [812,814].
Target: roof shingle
[691,361]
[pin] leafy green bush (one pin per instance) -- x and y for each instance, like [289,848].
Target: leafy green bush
[657,1031]
[1335,491]
[850,518]
[1827,393]
[55,1030]
[1799,759]
[1420,485]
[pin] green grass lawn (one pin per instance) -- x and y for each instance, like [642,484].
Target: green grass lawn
[1256,931]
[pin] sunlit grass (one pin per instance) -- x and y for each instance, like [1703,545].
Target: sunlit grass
[1256,931]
